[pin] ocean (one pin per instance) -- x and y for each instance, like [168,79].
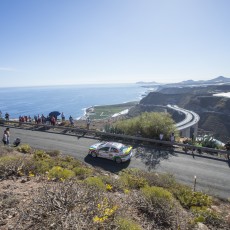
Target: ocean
[71,100]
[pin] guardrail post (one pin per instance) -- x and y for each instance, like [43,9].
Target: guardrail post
[194,184]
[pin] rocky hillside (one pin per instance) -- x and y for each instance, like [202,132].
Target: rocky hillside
[214,111]
[50,190]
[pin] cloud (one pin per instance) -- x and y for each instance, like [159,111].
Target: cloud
[7,69]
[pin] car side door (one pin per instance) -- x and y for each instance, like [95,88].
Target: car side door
[104,152]
[113,152]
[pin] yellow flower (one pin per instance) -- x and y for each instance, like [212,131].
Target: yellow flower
[97,219]
[31,174]
[109,187]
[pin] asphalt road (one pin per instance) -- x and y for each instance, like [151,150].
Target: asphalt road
[213,175]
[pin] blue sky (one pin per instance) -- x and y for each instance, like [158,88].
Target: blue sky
[55,42]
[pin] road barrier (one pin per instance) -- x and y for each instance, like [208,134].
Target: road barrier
[80,132]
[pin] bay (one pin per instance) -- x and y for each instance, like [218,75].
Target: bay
[71,100]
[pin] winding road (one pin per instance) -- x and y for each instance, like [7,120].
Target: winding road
[212,174]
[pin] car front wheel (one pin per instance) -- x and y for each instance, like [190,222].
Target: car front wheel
[93,154]
[118,160]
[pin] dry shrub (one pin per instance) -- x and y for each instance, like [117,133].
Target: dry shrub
[95,182]
[68,205]
[127,224]
[82,172]
[158,209]
[207,216]
[142,178]
[54,153]
[10,165]
[164,180]
[25,148]
[7,200]
[132,179]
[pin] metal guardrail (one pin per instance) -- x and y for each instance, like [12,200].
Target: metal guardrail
[95,133]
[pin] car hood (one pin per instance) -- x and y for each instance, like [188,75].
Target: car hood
[95,146]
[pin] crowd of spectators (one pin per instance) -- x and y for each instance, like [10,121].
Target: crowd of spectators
[40,119]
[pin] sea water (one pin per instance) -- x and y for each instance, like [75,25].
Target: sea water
[71,100]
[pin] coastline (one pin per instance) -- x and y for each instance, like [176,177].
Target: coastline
[72,101]
[100,112]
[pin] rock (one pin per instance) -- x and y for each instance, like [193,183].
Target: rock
[201,226]
[23,181]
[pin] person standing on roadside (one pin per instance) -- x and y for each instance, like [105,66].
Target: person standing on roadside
[7,116]
[6,137]
[88,122]
[62,117]
[227,147]
[161,136]
[172,138]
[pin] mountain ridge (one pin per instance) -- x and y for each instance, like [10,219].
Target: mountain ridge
[217,80]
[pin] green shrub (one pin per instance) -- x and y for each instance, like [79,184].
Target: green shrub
[25,148]
[156,194]
[114,182]
[126,224]
[188,198]
[43,166]
[60,173]
[82,172]
[40,155]
[132,179]
[96,182]
[208,141]
[148,125]
[206,216]
[54,153]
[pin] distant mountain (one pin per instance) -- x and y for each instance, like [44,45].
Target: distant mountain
[220,79]
[215,81]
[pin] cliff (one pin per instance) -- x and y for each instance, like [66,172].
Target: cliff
[214,111]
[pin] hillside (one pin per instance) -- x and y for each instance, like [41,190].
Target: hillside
[48,190]
[214,111]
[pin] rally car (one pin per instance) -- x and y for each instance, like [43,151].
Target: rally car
[111,150]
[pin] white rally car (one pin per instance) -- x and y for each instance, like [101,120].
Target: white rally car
[111,150]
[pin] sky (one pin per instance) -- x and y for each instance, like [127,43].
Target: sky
[62,42]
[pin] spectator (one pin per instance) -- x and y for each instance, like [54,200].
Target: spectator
[4,138]
[161,136]
[62,117]
[227,147]
[53,120]
[71,120]
[172,138]
[7,116]
[88,122]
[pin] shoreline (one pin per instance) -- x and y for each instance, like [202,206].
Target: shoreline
[92,110]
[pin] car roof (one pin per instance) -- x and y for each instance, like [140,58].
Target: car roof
[114,144]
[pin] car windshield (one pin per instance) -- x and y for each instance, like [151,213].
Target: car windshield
[123,149]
